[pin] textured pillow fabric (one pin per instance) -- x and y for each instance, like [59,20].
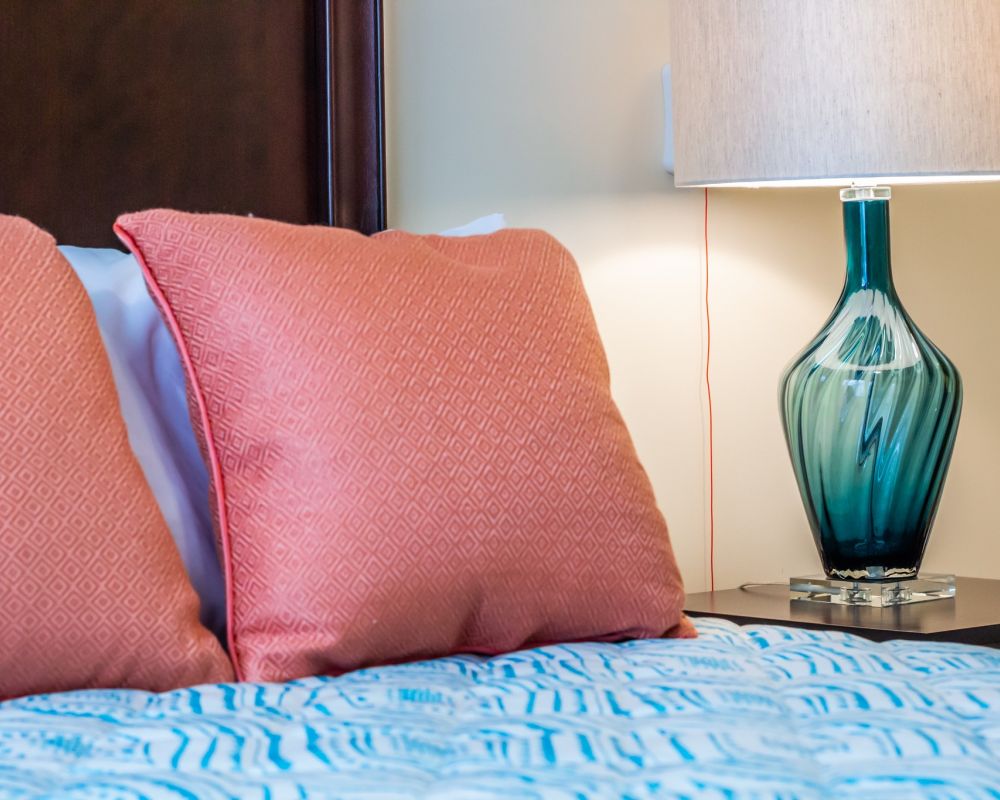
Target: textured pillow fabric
[93,592]
[150,382]
[412,442]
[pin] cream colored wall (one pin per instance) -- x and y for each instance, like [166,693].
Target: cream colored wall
[550,111]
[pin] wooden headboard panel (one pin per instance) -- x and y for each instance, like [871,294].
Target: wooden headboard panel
[264,107]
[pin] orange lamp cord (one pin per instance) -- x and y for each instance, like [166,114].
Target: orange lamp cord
[711,421]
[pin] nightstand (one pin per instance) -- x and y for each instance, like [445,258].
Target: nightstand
[971,617]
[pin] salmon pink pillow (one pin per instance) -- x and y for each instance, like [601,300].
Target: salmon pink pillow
[412,440]
[92,590]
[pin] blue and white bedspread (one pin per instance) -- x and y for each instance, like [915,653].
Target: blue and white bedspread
[750,712]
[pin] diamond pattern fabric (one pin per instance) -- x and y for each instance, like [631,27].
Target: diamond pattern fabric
[412,440]
[93,591]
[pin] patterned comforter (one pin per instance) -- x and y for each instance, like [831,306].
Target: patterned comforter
[751,712]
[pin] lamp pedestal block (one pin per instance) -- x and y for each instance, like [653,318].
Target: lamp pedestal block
[880,594]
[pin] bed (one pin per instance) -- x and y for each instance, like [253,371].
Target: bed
[275,109]
[758,711]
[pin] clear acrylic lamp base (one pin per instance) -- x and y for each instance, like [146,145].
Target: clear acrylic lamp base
[820,589]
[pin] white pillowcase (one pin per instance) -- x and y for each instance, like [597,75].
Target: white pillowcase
[151,389]
[478,227]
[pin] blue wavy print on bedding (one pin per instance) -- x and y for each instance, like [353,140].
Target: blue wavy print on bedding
[754,712]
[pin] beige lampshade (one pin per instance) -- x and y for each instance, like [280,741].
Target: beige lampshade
[830,91]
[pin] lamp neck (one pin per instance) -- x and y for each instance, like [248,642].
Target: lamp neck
[866,232]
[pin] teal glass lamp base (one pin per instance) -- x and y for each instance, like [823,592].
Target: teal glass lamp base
[870,410]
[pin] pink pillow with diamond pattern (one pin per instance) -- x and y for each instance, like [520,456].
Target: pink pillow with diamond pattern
[92,590]
[412,440]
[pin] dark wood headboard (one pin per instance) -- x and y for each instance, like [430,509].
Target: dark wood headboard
[264,107]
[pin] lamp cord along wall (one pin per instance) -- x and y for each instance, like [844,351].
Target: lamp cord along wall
[711,421]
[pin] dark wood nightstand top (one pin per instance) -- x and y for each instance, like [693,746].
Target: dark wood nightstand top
[971,617]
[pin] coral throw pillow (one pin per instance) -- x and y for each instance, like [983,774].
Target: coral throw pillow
[412,440]
[92,590]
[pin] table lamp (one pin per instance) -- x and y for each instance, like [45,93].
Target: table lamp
[860,94]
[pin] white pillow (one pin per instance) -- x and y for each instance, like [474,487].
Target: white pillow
[151,390]
[488,224]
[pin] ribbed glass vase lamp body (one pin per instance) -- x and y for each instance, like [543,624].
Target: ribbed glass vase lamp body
[870,410]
